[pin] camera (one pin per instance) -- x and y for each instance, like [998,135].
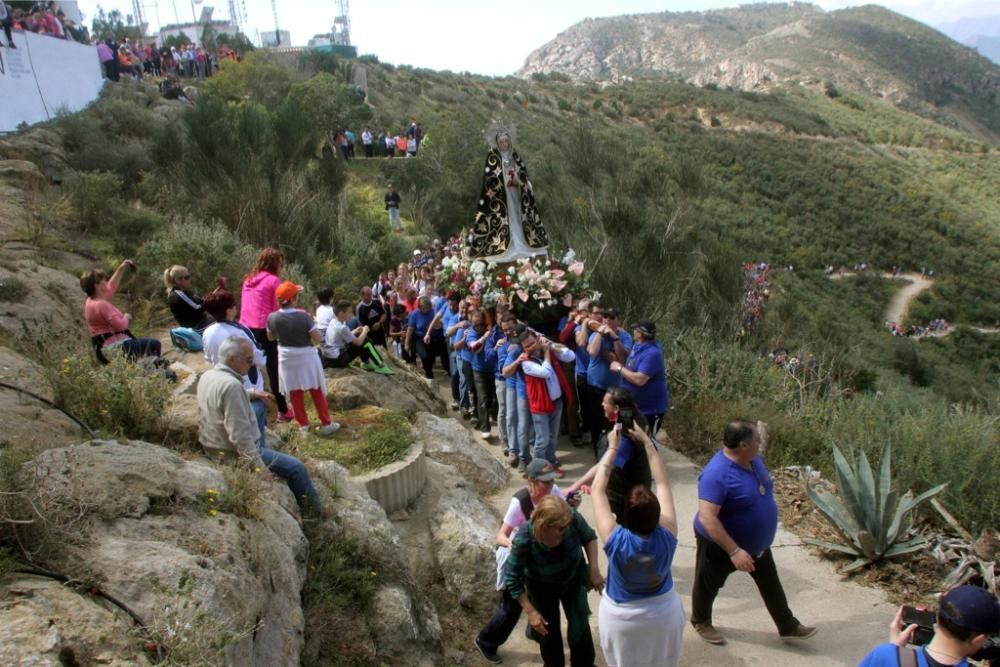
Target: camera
[626,418]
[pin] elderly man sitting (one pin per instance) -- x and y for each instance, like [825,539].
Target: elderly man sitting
[227,426]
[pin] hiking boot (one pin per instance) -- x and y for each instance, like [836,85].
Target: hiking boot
[708,632]
[329,429]
[801,633]
[514,459]
[522,468]
[488,653]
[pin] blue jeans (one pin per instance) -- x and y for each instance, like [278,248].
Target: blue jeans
[525,429]
[500,389]
[393,217]
[498,629]
[456,376]
[510,423]
[547,433]
[284,466]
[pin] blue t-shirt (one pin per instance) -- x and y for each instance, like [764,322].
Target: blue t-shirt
[480,359]
[438,304]
[497,355]
[599,370]
[420,320]
[652,398]
[887,655]
[639,567]
[582,358]
[625,450]
[465,354]
[750,518]
[513,352]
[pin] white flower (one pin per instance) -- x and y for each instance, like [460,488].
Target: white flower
[596,296]
[512,270]
[552,302]
[569,257]
[478,267]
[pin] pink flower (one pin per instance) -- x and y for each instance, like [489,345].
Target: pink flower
[576,268]
[523,294]
[543,294]
[568,300]
[557,273]
[558,285]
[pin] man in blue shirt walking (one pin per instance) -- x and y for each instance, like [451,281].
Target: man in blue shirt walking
[644,375]
[736,522]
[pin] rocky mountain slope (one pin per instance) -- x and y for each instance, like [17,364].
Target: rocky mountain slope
[866,49]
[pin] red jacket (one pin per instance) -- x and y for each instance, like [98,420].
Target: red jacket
[539,401]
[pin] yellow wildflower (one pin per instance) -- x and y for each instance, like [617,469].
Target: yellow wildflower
[212,512]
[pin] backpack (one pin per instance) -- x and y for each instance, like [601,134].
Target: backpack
[186,339]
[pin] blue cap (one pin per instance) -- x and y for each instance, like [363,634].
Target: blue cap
[972,608]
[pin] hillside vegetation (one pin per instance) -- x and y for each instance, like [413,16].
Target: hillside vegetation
[665,189]
[868,50]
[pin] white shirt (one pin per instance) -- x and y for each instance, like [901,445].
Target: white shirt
[546,372]
[324,315]
[338,337]
[212,339]
[515,517]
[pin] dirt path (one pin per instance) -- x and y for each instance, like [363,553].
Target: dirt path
[851,618]
[899,307]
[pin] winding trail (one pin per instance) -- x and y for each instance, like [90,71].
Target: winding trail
[851,618]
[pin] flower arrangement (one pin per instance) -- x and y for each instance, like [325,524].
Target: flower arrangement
[538,289]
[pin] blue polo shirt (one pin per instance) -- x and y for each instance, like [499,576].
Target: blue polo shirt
[639,567]
[480,358]
[582,358]
[512,353]
[652,398]
[420,321]
[497,355]
[599,370]
[750,518]
[465,354]
[887,655]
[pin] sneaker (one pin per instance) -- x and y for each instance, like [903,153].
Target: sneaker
[304,429]
[285,416]
[486,435]
[329,429]
[489,654]
[708,632]
[514,459]
[801,633]
[522,468]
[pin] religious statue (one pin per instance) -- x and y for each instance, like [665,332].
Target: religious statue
[507,226]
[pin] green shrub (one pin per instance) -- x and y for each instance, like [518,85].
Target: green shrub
[130,227]
[95,196]
[121,118]
[12,289]
[120,399]
[208,251]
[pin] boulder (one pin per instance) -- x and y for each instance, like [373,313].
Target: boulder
[22,173]
[31,423]
[45,623]
[449,441]
[148,538]
[404,632]
[351,388]
[463,530]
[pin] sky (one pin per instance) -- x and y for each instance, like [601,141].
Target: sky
[491,38]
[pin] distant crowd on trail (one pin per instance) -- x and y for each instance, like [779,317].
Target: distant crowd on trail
[136,60]
[895,271]
[937,326]
[757,290]
[382,143]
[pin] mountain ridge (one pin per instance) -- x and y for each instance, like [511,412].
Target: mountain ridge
[869,50]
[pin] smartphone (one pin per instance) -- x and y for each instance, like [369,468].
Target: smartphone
[924,619]
[571,495]
[626,419]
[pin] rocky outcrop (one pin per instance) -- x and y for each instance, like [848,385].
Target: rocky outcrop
[143,529]
[450,442]
[351,388]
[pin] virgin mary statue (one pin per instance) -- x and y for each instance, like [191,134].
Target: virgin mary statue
[507,225]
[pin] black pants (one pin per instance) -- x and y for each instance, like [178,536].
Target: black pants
[487,399]
[713,566]
[497,630]
[368,150]
[546,600]
[429,352]
[654,421]
[598,422]
[270,348]
[350,353]
[6,23]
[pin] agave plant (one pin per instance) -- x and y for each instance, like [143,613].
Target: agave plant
[870,515]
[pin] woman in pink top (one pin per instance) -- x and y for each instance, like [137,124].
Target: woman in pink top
[256,303]
[109,326]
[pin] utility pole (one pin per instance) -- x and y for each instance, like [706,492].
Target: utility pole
[277,30]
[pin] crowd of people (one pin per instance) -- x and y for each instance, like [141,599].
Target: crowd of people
[138,59]
[757,290]
[592,378]
[43,18]
[938,326]
[382,143]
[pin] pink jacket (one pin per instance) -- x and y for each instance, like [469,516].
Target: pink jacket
[258,299]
